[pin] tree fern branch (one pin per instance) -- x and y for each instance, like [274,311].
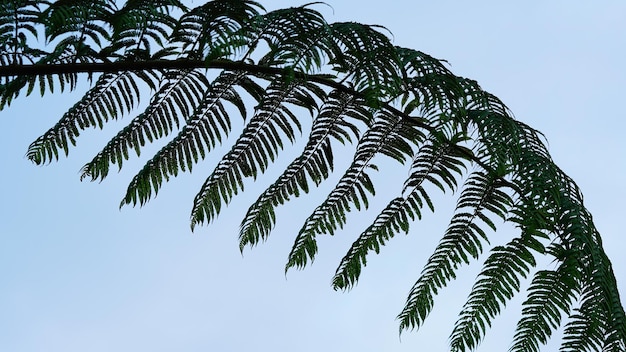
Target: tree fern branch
[461,241]
[208,125]
[496,284]
[350,189]
[315,163]
[111,95]
[258,144]
[177,96]
[432,162]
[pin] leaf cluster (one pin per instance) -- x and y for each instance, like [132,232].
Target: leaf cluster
[204,65]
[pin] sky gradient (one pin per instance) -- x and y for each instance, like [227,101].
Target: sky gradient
[77,274]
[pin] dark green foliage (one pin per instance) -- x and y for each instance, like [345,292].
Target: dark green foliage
[175,99]
[204,65]
[315,163]
[257,146]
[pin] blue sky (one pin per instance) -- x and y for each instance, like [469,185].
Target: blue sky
[77,274]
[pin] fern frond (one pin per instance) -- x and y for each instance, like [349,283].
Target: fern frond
[180,92]
[462,240]
[496,284]
[587,327]
[369,60]
[278,26]
[615,338]
[429,86]
[599,322]
[19,23]
[208,125]
[258,145]
[79,22]
[139,24]
[111,95]
[315,163]
[551,202]
[12,88]
[550,295]
[434,163]
[302,44]
[209,30]
[389,135]
[392,101]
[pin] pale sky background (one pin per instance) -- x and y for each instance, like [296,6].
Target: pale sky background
[77,274]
